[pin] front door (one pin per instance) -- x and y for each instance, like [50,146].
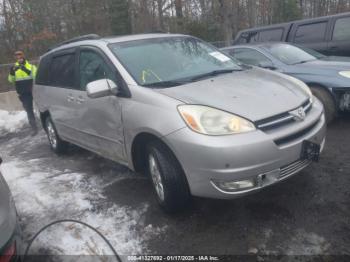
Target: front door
[100,119]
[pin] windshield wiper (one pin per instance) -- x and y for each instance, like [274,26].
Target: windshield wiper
[304,61]
[173,83]
[213,73]
[165,84]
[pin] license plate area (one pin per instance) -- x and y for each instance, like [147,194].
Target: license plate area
[310,151]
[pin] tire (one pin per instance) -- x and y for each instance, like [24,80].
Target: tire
[327,101]
[56,143]
[168,178]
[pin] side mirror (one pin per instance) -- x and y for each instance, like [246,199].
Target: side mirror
[267,65]
[101,88]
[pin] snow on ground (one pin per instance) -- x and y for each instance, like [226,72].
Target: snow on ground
[12,121]
[307,243]
[301,243]
[44,194]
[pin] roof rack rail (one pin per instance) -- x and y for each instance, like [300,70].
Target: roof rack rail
[76,39]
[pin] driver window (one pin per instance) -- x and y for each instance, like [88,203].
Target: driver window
[92,67]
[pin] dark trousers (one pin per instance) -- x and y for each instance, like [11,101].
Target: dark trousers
[27,102]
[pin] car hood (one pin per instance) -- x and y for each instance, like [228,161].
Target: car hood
[254,94]
[320,67]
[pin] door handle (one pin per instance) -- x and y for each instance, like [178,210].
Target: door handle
[333,47]
[80,100]
[70,98]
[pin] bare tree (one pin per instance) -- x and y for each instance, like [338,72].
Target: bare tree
[34,25]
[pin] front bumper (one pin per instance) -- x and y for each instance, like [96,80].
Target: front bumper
[206,159]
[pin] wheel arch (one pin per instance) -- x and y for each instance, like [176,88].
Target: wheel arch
[326,88]
[43,116]
[139,147]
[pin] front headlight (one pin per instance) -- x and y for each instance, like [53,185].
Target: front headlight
[303,86]
[345,74]
[210,121]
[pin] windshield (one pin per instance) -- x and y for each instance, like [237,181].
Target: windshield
[312,52]
[290,54]
[167,59]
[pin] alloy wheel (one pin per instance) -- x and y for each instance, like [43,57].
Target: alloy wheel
[156,177]
[51,133]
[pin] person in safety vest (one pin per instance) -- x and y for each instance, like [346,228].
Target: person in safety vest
[22,74]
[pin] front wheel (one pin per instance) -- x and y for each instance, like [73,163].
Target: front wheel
[168,178]
[57,144]
[327,101]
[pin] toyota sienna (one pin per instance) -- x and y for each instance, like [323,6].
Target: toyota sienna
[176,108]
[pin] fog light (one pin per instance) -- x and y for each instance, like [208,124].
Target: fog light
[232,186]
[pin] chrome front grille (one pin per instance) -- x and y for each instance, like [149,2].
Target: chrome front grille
[281,119]
[294,168]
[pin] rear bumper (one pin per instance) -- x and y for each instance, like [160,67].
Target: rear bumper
[207,160]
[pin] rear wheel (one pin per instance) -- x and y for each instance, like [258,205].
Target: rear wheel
[168,178]
[57,144]
[327,101]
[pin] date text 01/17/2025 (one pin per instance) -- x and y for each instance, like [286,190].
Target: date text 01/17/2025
[173,258]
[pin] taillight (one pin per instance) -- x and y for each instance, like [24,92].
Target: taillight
[9,253]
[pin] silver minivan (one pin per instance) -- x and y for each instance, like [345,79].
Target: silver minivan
[176,108]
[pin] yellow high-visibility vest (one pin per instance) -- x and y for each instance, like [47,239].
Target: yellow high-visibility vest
[21,75]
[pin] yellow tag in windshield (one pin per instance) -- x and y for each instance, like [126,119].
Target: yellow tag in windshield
[148,75]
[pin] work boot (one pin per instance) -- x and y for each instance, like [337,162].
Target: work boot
[34,131]
[33,125]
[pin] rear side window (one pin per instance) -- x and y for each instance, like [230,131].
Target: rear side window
[42,77]
[342,29]
[62,71]
[311,33]
[271,35]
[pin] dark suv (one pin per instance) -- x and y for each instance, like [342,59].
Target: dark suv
[329,35]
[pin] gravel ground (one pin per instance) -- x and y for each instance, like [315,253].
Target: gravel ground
[305,215]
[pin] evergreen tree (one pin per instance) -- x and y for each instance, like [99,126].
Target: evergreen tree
[120,17]
[285,11]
